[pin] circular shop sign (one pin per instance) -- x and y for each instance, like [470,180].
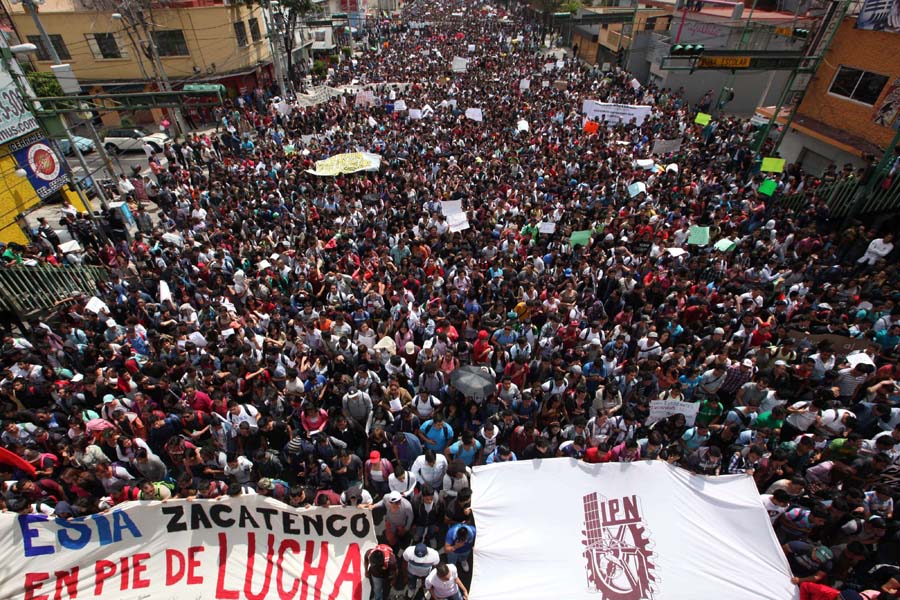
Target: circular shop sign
[43,162]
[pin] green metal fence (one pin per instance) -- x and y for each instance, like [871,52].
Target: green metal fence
[842,195]
[26,290]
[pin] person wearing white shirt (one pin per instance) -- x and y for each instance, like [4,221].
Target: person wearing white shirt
[240,468]
[430,468]
[877,250]
[444,584]
[420,561]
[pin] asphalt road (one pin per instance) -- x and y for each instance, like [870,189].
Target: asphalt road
[122,163]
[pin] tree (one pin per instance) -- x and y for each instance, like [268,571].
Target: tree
[44,84]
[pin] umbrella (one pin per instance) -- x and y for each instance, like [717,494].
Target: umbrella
[472,381]
[14,460]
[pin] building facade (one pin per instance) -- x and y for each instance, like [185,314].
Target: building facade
[851,107]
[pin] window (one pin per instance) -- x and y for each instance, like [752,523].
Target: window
[170,42]
[240,32]
[320,36]
[43,53]
[859,85]
[104,45]
[254,29]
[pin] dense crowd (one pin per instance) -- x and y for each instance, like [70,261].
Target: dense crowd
[273,332]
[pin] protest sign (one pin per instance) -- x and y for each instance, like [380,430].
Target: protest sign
[661,147]
[546,227]
[459,64]
[400,105]
[580,238]
[638,187]
[457,222]
[660,409]
[702,119]
[475,114]
[246,546]
[415,114]
[614,114]
[772,165]
[843,345]
[561,84]
[591,127]
[767,187]
[522,125]
[698,236]
[725,245]
[470,48]
[450,207]
[646,164]
[350,162]
[524,84]
[97,306]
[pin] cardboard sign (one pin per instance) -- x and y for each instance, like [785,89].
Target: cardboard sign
[772,165]
[702,119]
[660,409]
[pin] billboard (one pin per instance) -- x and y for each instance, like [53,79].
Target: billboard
[15,118]
[888,112]
[879,15]
[44,169]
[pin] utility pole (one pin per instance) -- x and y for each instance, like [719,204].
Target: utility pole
[162,77]
[29,7]
[276,44]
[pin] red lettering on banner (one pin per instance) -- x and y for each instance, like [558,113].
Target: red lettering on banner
[68,579]
[137,569]
[351,572]
[310,572]
[294,547]
[174,575]
[248,576]
[123,572]
[33,586]
[103,570]
[221,592]
[193,578]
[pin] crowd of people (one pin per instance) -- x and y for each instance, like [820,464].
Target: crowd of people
[274,332]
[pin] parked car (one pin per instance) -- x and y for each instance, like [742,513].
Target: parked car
[84,144]
[129,139]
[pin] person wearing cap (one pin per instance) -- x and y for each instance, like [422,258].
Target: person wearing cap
[420,560]
[809,562]
[398,519]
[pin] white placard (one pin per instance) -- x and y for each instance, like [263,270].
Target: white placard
[471,48]
[415,114]
[636,188]
[96,306]
[524,84]
[451,207]
[547,227]
[660,409]
[475,114]
[661,147]
[459,64]
[522,125]
[165,294]
[400,105]
[458,222]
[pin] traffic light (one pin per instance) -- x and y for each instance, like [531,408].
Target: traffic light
[687,50]
[800,34]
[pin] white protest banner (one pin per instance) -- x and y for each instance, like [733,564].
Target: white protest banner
[400,105]
[97,306]
[451,207]
[165,294]
[457,222]
[459,64]
[524,84]
[522,125]
[660,409]
[427,110]
[619,531]
[615,113]
[546,227]
[415,114]
[666,146]
[475,114]
[638,187]
[239,547]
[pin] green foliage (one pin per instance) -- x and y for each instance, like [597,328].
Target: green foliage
[320,68]
[347,51]
[44,84]
[570,6]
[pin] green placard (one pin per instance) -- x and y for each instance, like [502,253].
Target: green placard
[582,238]
[702,119]
[698,236]
[767,187]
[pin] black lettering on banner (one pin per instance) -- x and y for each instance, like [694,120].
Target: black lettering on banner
[246,517]
[332,521]
[359,525]
[176,518]
[198,517]
[215,513]
[267,515]
[289,522]
[313,523]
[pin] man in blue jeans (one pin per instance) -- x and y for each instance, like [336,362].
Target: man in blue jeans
[458,545]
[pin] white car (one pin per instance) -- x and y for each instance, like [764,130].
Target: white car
[129,139]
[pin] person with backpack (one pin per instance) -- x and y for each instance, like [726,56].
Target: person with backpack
[425,404]
[243,413]
[154,490]
[381,569]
